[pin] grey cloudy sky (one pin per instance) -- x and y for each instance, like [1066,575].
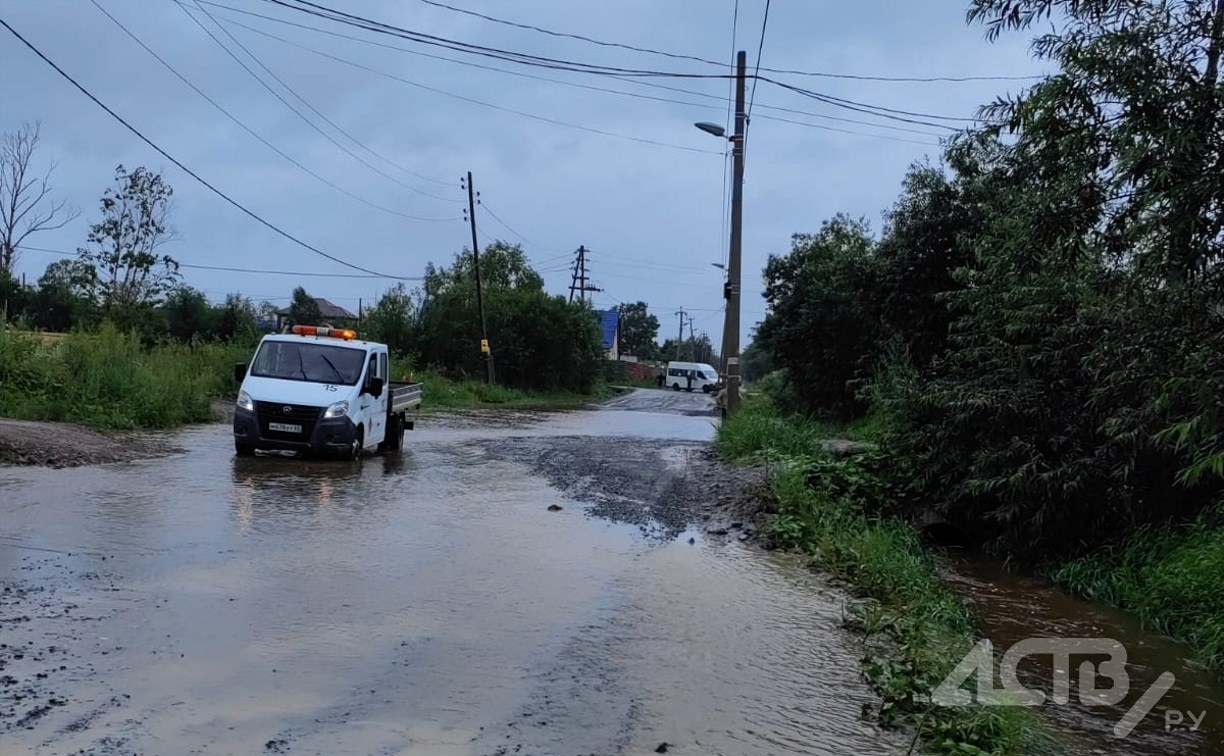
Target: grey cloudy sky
[652,216]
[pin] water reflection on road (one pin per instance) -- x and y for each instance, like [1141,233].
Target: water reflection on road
[423,603]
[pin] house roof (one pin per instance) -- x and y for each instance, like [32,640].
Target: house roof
[326,309]
[609,321]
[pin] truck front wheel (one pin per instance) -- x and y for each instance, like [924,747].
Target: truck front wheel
[354,449]
[244,450]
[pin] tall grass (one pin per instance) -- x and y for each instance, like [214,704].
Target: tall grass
[440,391]
[819,512]
[107,380]
[1169,577]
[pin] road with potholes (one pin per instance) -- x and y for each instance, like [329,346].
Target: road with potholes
[511,583]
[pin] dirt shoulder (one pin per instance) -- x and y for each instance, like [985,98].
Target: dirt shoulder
[28,443]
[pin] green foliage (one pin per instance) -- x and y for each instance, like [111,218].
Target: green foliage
[123,245]
[303,309]
[539,342]
[1039,330]
[1169,577]
[823,321]
[639,331]
[392,320]
[756,362]
[823,509]
[109,380]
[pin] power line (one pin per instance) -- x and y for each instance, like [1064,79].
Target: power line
[289,105]
[482,103]
[638,82]
[760,49]
[248,129]
[682,56]
[378,27]
[329,121]
[876,110]
[184,168]
[263,271]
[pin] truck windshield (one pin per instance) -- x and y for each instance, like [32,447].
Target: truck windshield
[309,361]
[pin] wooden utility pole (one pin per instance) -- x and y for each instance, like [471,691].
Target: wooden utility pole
[731,327]
[485,351]
[680,335]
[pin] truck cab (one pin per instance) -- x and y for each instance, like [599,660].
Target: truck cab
[321,390]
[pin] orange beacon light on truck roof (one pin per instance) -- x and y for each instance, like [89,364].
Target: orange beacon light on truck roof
[338,333]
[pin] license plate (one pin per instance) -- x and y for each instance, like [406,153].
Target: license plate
[285,428]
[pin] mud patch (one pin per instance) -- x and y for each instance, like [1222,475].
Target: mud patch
[662,487]
[26,443]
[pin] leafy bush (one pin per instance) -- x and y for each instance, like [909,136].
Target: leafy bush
[109,380]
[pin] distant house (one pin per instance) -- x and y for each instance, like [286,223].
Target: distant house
[609,324]
[332,313]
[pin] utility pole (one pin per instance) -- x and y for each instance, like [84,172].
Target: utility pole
[484,333]
[731,327]
[680,335]
[580,280]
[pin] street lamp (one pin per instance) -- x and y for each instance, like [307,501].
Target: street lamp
[731,288]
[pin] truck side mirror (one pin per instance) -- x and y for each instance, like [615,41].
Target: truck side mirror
[240,370]
[376,387]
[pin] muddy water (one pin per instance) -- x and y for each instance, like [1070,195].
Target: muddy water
[423,603]
[1014,607]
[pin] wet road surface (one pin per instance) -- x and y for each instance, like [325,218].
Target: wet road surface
[432,602]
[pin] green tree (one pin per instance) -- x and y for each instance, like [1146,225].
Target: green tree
[304,310]
[639,330]
[65,297]
[823,320]
[235,320]
[392,320]
[189,315]
[123,245]
[539,341]
[756,362]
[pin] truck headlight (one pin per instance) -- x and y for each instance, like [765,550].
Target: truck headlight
[244,402]
[339,409]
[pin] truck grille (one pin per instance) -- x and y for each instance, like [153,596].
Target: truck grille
[298,414]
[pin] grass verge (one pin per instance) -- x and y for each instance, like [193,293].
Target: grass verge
[1168,577]
[107,380]
[925,628]
[441,392]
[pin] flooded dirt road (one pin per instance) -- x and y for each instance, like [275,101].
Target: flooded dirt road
[509,584]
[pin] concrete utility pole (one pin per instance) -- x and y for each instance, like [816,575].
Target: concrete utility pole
[484,334]
[680,335]
[731,328]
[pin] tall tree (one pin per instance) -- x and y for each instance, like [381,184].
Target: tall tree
[391,320]
[124,244]
[639,330]
[26,206]
[502,266]
[304,310]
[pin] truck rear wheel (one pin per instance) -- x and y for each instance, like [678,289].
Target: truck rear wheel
[395,435]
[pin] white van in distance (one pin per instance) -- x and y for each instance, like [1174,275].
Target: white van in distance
[704,377]
[321,390]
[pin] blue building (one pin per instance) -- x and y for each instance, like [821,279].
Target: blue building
[609,324]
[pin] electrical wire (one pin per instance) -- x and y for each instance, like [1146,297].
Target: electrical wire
[729,100]
[757,73]
[297,112]
[183,167]
[681,56]
[327,120]
[261,271]
[876,110]
[251,131]
[471,100]
[378,27]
